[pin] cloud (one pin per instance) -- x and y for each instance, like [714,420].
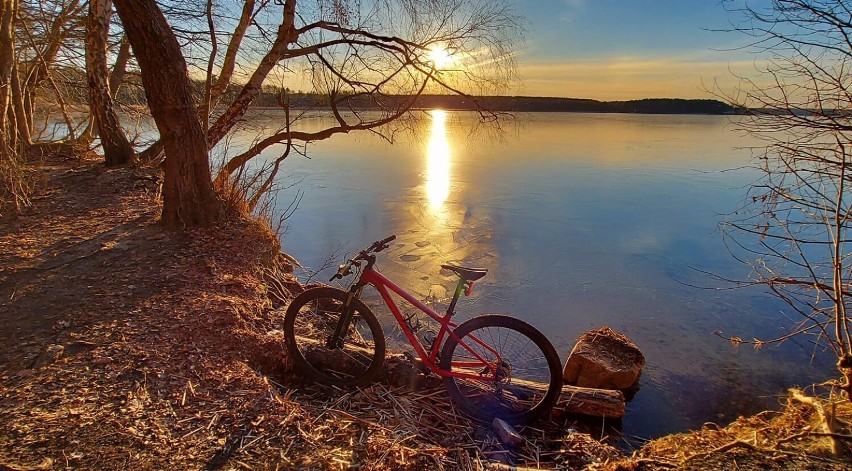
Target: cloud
[624,78]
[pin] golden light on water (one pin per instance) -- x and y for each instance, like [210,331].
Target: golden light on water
[438,162]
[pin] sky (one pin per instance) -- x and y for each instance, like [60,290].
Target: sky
[629,49]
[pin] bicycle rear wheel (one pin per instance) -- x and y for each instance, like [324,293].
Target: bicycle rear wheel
[529,378]
[310,322]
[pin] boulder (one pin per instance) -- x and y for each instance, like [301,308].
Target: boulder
[604,359]
[508,435]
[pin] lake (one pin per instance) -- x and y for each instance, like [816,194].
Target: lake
[582,220]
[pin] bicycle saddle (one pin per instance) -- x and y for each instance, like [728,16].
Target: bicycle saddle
[467,274]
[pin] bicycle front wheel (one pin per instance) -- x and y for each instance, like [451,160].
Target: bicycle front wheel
[310,323]
[510,370]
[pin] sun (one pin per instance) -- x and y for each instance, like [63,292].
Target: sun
[440,56]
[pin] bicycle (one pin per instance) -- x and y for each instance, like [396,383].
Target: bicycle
[492,365]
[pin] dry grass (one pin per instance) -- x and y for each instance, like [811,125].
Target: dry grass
[794,438]
[16,187]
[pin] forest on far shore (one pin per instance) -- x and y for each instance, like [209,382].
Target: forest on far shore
[582,105]
[272,96]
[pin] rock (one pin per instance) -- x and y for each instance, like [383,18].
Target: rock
[508,435]
[604,359]
[404,370]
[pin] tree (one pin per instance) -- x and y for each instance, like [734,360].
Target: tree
[51,34]
[8,10]
[13,187]
[188,196]
[354,52]
[370,61]
[117,149]
[795,225]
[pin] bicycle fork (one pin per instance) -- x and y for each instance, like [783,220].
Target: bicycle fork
[336,339]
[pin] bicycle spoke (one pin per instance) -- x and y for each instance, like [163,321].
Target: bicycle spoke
[520,378]
[312,320]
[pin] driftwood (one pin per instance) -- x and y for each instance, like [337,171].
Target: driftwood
[405,370]
[826,419]
[597,402]
[577,400]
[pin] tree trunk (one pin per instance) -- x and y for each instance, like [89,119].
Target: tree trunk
[154,152]
[116,78]
[188,196]
[22,118]
[119,69]
[285,36]
[8,10]
[117,149]
[231,54]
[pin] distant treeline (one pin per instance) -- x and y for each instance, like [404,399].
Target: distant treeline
[131,93]
[529,104]
[648,105]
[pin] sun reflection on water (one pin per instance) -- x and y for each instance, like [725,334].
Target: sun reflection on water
[438,163]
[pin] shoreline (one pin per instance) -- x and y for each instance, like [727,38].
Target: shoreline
[130,347]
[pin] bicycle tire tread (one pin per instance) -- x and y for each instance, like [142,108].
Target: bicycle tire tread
[304,366]
[554,388]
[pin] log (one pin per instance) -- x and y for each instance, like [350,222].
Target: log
[402,369]
[588,401]
[578,400]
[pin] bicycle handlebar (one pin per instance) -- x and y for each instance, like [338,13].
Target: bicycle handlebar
[377,246]
[381,245]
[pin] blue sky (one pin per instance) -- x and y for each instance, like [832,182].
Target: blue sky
[612,50]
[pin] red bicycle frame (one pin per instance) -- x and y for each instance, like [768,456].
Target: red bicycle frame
[383,285]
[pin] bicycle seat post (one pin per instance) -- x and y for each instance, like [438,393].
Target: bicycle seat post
[459,288]
[466,275]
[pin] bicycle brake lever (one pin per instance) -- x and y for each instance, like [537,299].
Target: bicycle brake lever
[342,270]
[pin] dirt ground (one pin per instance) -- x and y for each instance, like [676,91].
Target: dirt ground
[124,346]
